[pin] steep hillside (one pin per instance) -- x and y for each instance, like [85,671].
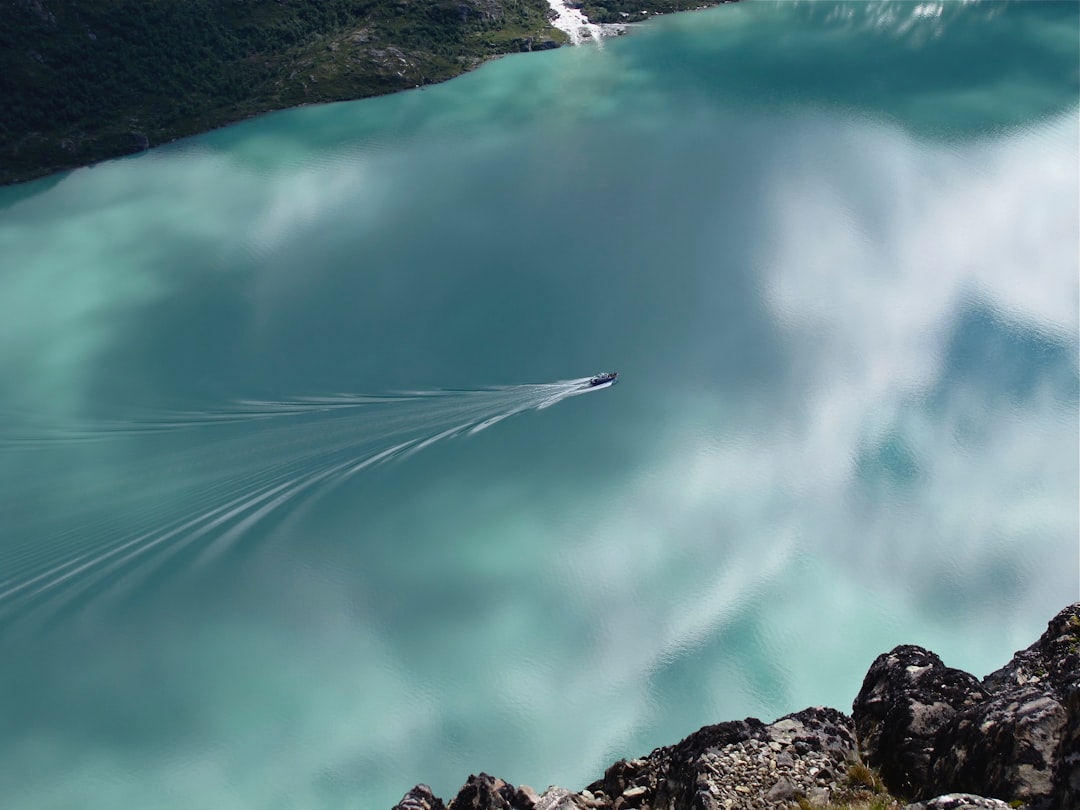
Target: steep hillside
[82,80]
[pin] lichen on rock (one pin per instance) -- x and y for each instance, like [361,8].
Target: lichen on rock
[1013,736]
[937,735]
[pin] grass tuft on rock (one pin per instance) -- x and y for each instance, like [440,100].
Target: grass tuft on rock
[860,775]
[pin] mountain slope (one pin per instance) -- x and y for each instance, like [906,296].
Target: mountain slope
[84,80]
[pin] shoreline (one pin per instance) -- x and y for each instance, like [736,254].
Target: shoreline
[576,25]
[349,64]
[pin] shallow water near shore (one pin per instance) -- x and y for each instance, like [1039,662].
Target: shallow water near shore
[305,498]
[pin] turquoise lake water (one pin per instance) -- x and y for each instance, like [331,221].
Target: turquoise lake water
[304,501]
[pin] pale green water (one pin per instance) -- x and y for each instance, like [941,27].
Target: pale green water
[831,248]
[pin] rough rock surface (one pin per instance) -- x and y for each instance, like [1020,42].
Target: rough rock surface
[1015,746]
[906,698]
[959,801]
[485,792]
[932,730]
[937,735]
[737,765]
[421,798]
[741,764]
[1068,767]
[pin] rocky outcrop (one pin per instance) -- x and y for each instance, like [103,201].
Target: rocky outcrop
[739,765]
[1013,736]
[959,801]
[1068,766]
[907,697]
[936,735]
[530,44]
[1021,744]
[421,798]
[742,764]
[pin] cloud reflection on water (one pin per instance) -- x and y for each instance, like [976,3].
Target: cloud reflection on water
[849,420]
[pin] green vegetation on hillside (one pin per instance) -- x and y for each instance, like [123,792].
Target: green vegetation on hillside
[83,80]
[628,11]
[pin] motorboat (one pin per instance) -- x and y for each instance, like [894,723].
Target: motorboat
[603,379]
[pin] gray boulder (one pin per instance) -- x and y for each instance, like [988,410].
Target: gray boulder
[937,736]
[906,698]
[420,798]
[1015,736]
[959,801]
[739,764]
[485,792]
[1021,744]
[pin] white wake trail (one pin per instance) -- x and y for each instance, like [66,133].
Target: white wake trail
[205,480]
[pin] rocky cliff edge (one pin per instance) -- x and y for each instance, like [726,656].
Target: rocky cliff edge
[936,736]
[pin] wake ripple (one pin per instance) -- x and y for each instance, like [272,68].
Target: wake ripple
[216,475]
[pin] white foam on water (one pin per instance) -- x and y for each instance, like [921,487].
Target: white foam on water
[284,451]
[578,26]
